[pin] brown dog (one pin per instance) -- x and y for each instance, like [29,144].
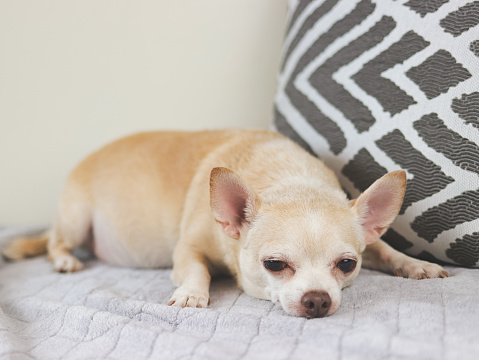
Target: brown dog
[249,203]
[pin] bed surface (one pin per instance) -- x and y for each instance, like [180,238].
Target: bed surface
[117,313]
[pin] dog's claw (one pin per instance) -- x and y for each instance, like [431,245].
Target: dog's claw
[422,276]
[444,274]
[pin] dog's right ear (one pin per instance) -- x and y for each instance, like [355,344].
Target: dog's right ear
[233,203]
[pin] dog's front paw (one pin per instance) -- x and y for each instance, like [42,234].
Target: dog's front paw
[418,269]
[185,297]
[67,264]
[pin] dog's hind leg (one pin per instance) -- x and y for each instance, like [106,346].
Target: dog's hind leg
[59,248]
[70,230]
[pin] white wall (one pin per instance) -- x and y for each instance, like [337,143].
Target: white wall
[77,74]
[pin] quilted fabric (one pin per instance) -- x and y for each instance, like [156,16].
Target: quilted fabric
[372,86]
[105,312]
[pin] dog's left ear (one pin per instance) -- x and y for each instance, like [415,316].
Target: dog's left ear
[379,205]
[233,203]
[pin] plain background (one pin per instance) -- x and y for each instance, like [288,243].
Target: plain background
[75,75]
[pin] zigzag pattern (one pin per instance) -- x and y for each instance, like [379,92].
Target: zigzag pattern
[447,215]
[397,241]
[309,22]
[438,73]
[363,170]
[424,7]
[461,20]
[353,109]
[428,177]
[461,151]
[383,87]
[467,107]
[465,250]
[324,125]
[392,98]
[283,126]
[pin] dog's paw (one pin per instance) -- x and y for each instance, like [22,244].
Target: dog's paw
[418,269]
[189,298]
[67,264]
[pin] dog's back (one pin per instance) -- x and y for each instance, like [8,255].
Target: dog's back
[132,195]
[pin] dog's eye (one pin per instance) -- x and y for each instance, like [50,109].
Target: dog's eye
[346,265]
[275,265]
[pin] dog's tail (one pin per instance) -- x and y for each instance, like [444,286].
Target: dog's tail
[24,247]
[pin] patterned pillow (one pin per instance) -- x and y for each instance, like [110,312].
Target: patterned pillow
[372,86]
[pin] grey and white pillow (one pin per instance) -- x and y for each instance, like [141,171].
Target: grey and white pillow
[372,86]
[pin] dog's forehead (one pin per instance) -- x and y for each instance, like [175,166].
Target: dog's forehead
[333,229]
[312,229]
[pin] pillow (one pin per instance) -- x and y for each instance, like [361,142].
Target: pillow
[372,86]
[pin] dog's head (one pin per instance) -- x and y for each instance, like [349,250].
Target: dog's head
[301,243]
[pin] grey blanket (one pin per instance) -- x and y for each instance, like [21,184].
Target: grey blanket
[106,312]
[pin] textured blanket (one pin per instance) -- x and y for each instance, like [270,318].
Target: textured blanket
[106,312]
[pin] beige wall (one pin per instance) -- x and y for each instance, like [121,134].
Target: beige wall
[77,74]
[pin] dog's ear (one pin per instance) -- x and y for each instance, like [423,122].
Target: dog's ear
[233,203]
[379,205]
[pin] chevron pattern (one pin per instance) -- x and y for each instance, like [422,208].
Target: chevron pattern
[372,86]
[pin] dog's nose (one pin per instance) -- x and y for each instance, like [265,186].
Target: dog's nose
[316,303]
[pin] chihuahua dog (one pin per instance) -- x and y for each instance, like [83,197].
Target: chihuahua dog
[249,203]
